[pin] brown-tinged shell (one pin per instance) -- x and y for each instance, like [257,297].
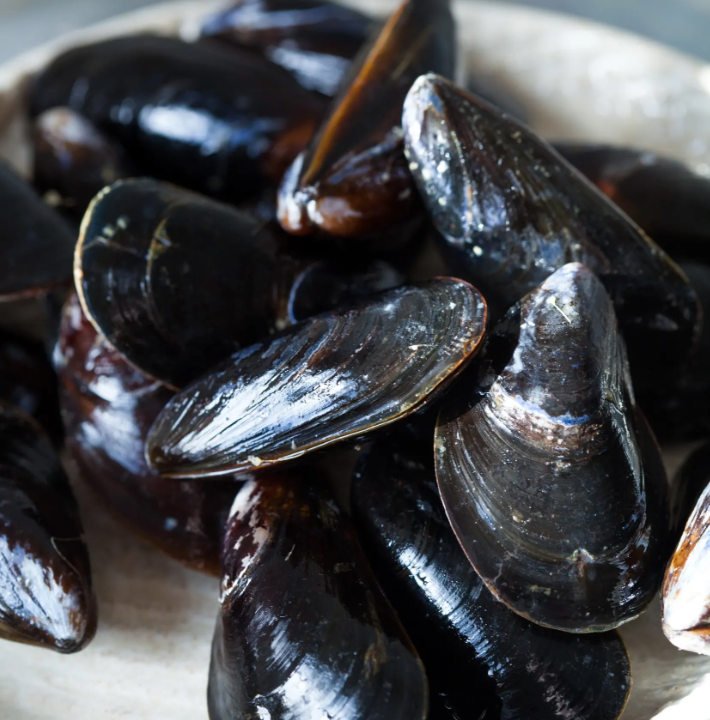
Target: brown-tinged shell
[108,407]
[353,178]
[73,160]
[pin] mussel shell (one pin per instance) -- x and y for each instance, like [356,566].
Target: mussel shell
[353,179]
[685,605]
[37,245]
[513,211]
[334,377]
[108,407]
[174,281]
[28,381]
[219,120]
[46,597]
[315,40]
[323,286]
[482,660]
[73,160]
[551,478]
[303,629]
[666,198]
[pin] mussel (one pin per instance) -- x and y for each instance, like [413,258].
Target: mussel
[323,286]
[37,245]
[73,160]
[353,178]
[46,597]
[512,211]
[482,660]
[315,40]
[28,381]
[666,198]
[108,407]
[219,120]
[550,476]
[685,608]
[174,281]
[303,630]
[334,377]
[679,408]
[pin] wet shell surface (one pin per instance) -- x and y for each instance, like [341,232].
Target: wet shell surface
[108,407]
[512,211]
[303,629]
[222,121]
[336,376]
[174,281]
[37,245]
[353,178]
[73,160]
[549,474]
[46,597]
[315,40]
[482,659]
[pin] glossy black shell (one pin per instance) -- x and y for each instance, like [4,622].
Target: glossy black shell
[73,160]
[108,407]
[334,377]
[353,178]
[550,476]
[303,629]
[210,118]
[482,659]
[513,211]
[174,281]
[46,597]
[37,245]
[315,40]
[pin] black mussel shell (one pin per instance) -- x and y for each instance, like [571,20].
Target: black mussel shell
[223,121]
[482,660]
[46,597]
[550,476]
[108,407]
[303,629]
[685,603]
[666,198]
[334,377]
[323,286]
[353,179]
[28,381]
[512,211]
[315,40]
[37,245]
[174,281]
[73,160]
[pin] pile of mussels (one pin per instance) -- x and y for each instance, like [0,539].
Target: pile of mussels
[252,212]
